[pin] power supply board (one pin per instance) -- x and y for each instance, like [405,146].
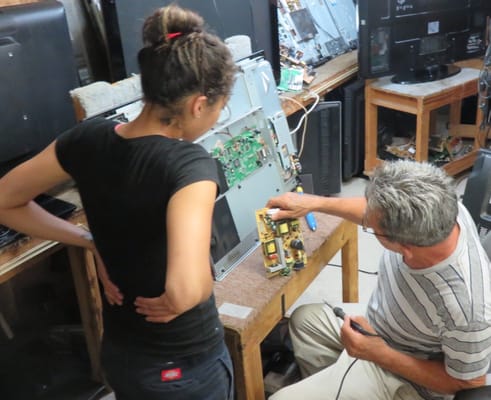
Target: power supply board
[281,243]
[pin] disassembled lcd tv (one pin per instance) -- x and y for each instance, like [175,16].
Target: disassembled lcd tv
[255,154]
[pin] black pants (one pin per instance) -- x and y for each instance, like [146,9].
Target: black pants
[134,375]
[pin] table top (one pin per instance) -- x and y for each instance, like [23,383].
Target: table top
[428,88]
[19,255]
[247,285]
[328,77]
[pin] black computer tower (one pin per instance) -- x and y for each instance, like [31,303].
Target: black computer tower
[320,155]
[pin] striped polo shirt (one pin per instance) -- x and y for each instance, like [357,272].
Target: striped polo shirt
[442,312]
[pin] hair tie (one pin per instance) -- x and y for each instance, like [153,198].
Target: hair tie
[173,35]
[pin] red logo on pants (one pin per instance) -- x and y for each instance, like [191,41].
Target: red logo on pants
[167,375]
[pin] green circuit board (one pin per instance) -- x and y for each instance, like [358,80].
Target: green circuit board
[241,155]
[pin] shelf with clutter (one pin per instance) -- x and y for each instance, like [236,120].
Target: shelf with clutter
[422,100]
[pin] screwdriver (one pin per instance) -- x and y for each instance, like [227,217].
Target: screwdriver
[309,217]
[338,312]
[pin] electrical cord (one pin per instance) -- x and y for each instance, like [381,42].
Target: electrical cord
[363,271]
[344,376]
[303,119]
[95,395]
[311,108]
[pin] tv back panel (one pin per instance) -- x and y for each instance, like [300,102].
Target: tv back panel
[255,152]
[313,32]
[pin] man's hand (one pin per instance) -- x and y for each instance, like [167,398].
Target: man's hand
[291,205]
[156,309]
[430,374]
[358,345]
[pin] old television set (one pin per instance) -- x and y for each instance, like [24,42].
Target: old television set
[419,40]
[37,71]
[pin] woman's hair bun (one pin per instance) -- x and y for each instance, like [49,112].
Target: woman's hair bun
[166,21]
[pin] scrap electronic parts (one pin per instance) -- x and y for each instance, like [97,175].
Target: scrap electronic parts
[281,242]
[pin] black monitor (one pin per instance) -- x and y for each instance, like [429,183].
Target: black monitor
[37,71]
[419,40]
[254,18]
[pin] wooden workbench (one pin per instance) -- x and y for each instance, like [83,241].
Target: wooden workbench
[28,252]
[267,299]
[328,77]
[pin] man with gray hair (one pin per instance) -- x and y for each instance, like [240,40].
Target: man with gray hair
[427,331]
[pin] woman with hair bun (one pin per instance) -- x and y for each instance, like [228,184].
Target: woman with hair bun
[148,192]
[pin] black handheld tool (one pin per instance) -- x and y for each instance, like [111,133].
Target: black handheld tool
[338,312]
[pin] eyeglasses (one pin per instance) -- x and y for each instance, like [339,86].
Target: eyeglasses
[370,230]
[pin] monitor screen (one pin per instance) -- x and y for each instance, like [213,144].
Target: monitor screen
[254,18]
[419,40]
[37,71]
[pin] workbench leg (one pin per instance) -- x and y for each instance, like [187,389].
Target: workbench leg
[249,380]
[371,132]
[454,118]
[422,134]
[349,260]
[89,301]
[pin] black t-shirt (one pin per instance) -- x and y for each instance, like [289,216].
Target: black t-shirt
[125,186]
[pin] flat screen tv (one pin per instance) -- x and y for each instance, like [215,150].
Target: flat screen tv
[419,40]
[37,71]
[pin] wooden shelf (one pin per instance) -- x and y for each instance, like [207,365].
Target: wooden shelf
[420,100]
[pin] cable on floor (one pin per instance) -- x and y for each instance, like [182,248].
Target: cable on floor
[363,271]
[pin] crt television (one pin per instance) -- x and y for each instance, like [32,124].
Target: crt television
[418,40]
[37,71]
